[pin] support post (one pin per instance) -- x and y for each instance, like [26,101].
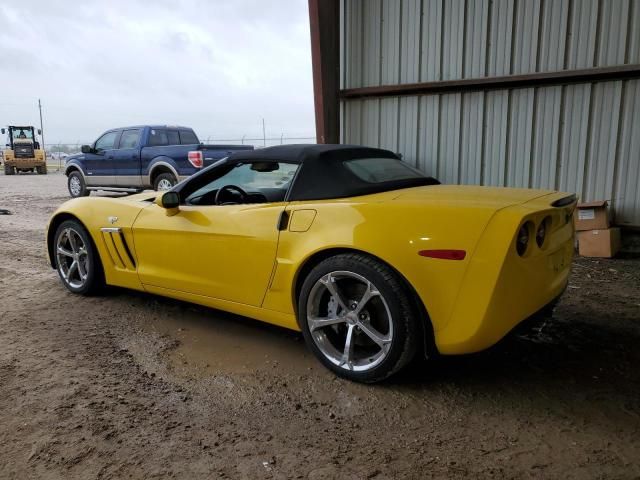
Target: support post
[324,22]
[42,130]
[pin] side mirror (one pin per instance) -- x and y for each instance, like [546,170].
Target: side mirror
[170,201]
[3,131]
[39,132]
[86,149]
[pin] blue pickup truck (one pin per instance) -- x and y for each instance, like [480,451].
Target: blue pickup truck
[136,158]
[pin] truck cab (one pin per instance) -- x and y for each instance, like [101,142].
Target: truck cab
[131,159]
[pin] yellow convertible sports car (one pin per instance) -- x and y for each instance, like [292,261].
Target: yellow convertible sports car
[373,261]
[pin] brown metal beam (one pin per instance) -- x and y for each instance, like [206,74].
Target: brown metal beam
[620,72]
[324,22]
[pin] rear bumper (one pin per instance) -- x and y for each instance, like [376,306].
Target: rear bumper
[539,318]
[500,288]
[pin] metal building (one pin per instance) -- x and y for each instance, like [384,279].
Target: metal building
[524,93]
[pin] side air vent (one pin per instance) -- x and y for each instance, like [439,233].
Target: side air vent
[118,249]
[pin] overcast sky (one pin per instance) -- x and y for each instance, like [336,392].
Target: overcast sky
[216,65]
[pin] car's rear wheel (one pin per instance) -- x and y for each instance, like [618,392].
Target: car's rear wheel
[76,185]
[76,259]
[164,181]
[42,170]
[356,316]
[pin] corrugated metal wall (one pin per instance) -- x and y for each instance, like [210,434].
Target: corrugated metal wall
[582,138]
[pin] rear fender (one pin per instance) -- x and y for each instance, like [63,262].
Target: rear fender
[392,232]
[160,165]
[502,288]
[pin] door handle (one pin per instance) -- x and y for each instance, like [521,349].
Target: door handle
[283,220]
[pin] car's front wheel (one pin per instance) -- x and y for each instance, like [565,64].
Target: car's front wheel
[356,316]
[76,259]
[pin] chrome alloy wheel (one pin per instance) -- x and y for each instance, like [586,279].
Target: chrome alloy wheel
[164,184]
[72,258]
[74,186]
[349,321]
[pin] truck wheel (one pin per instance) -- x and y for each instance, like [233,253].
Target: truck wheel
[9,170]
[164,181]
[76,185]
[41,170]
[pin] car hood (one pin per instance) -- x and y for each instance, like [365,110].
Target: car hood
[468,195]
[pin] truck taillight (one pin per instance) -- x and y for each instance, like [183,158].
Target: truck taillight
[195,158]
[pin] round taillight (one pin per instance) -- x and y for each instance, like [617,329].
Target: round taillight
[541,232]
[522,240]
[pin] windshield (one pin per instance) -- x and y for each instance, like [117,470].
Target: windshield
[266,182]
[22,133]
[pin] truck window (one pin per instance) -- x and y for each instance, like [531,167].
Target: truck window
[173,138]
[129,138]
[22,133]
[107,141]
[158,137]
[187,137]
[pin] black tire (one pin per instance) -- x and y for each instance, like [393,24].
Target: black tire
[403,327]
[162,179]
[42,170]
[9,170]
[94,282]
[76,185]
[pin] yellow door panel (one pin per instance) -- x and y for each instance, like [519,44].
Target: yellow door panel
[223,251]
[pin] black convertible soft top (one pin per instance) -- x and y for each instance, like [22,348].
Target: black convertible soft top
[307,153]
[323,175]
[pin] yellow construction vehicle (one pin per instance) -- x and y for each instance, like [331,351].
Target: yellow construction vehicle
[23,152]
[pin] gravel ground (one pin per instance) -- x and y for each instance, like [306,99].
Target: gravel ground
[128,385]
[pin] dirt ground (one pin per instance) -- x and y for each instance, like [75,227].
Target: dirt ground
[128,385]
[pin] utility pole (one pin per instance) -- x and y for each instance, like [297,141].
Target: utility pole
[41,128]
[264,134]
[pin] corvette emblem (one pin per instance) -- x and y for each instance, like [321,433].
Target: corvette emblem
[112,220]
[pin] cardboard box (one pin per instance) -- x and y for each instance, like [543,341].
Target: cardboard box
[592,216]
[599,243]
